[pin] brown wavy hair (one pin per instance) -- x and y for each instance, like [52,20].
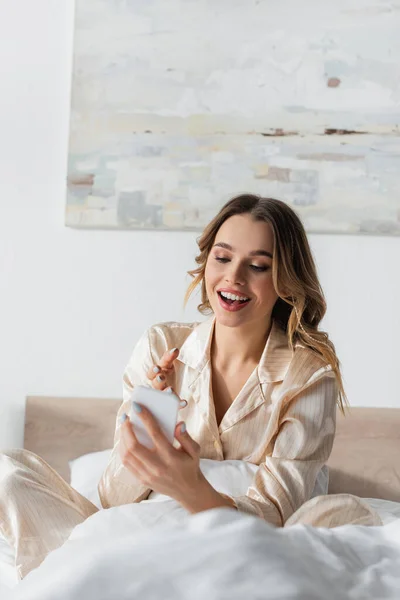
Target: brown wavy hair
[301,303]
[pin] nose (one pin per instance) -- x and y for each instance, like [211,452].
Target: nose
[234,274]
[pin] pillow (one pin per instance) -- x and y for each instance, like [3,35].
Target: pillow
[388,511]
[321,483]
[230,477]
[8,572]
[233,478]
[86,472]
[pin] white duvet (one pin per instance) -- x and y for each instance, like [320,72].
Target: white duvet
[155,550]
[214,555]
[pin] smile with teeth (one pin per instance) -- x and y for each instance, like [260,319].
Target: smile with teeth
[233,297]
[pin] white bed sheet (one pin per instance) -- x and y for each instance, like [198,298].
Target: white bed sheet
[154,550]
[161,517]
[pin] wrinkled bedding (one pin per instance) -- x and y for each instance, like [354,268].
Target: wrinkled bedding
[156,550]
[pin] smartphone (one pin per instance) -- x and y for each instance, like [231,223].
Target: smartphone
[164,408]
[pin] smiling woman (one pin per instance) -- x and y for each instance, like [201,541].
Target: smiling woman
[258,382]
[261,244]
[261,380]
[237,276]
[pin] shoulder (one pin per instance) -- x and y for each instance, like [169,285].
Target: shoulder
[155,340]
[287,365]
[165,336]
[305,369]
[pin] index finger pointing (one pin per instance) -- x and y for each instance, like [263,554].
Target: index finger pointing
[166,363]
[168,358]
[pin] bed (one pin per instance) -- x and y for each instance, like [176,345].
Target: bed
[77,433]
[364,461]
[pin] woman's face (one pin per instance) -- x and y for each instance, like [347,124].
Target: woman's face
[238,273]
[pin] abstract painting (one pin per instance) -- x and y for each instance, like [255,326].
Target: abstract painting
[177,105]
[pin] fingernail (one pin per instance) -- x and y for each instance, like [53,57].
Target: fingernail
[182,403]
[160,378]
[173,350]
[156,369]
[123,418]
[169,390]
[137,407]
[183,428]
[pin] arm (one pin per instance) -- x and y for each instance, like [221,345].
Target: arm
[118,486]
[302,446]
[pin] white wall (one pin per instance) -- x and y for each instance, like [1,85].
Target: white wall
[72,303]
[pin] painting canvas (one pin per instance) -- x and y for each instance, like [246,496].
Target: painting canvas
[179,104]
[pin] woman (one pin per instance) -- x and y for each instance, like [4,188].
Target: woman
[258,381]
[261,381]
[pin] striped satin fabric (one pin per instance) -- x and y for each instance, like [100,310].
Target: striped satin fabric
[283,420]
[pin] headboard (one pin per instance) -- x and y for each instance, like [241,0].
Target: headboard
[61,429]
[365,460]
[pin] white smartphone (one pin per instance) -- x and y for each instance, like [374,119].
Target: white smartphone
[164,408]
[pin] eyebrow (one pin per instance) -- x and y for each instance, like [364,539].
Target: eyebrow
[254,253]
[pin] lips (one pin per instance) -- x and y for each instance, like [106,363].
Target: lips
[229,304]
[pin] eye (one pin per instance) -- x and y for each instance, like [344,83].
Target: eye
[258,268]
[221,259]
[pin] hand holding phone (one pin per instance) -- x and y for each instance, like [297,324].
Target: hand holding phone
[164,408]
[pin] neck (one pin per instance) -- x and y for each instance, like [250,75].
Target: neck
[238,345]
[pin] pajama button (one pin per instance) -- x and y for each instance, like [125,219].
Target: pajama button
[216,445]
